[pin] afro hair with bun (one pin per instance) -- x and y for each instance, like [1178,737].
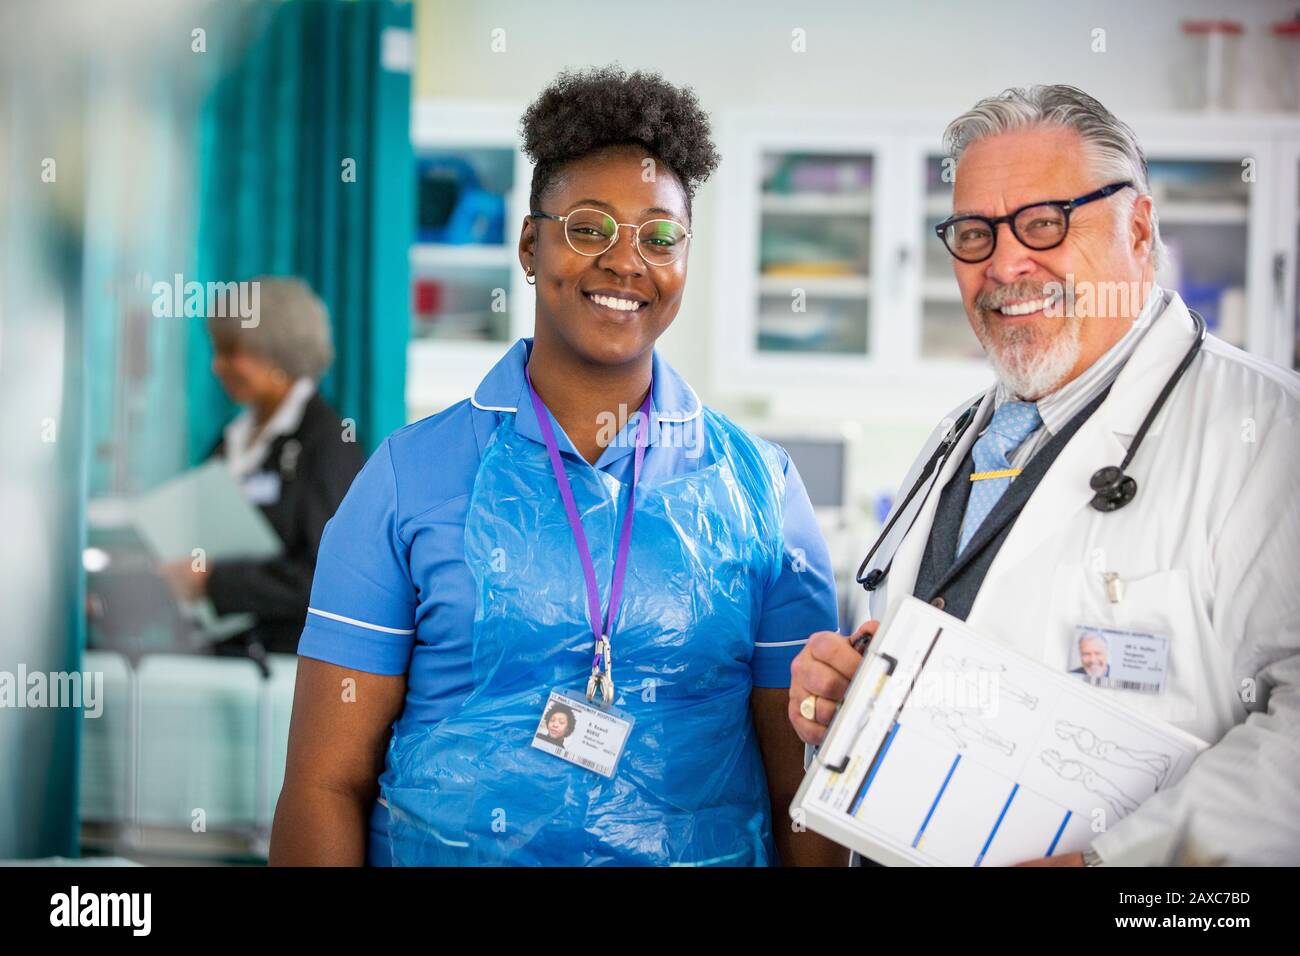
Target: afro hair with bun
[584,112]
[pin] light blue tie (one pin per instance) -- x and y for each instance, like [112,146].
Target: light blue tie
[1012,423]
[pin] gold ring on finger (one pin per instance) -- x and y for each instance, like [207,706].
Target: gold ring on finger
[808,707]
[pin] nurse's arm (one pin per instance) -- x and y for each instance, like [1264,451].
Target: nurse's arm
[782,754]
[339,730]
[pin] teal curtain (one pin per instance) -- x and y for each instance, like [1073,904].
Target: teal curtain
[308,106]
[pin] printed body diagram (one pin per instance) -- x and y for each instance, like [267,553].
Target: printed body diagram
[1090,780]
[965,728]
[997,674]
[1148,761]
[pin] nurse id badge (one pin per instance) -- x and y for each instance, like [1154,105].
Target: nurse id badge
[591,737]
[1125,660]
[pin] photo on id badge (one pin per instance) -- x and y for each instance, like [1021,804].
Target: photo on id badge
[582,733]
[1120,659]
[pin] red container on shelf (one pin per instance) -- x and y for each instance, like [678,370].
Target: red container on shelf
[427,298]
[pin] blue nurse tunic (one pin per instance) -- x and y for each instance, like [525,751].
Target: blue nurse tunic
[393,594]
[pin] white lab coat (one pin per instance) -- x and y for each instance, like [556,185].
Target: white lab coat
[1209,554]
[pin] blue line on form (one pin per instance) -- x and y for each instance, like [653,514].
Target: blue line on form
[857,802]
[1061,829]
[994,832]
[937,797]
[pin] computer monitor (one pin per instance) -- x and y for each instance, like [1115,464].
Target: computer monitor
[824,453]
[822,465]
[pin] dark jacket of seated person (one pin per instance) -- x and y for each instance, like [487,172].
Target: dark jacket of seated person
[298,484]
[291,455]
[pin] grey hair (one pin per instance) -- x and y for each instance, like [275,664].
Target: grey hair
[291,329]
[1112,146]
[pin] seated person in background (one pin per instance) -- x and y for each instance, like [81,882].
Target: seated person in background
[288,451]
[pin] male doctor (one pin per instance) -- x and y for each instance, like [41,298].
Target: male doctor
[1053,221]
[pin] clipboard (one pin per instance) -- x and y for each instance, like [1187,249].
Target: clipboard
[202,508]
[953,750]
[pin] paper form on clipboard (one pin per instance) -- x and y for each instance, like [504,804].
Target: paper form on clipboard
[952,750]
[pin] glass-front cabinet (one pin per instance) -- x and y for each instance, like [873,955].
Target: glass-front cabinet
[945,333]
[814,253]
[833,284]
[462,256]
[468,300]
[1204,212]
[1286,263]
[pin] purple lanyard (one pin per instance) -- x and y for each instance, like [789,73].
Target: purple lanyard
[600,635]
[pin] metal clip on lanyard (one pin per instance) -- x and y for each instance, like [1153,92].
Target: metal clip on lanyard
[604,681]
[602,664]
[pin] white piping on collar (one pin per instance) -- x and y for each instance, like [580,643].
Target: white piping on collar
[491,408]
[692,415]
[662,418]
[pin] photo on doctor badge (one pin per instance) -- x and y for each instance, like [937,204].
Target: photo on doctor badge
[1120,659]
[589,736]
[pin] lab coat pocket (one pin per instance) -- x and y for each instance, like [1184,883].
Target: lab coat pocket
[1158,603]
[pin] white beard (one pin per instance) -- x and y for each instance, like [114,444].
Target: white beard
[1028,368]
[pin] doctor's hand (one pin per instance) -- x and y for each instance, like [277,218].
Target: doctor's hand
[823,669]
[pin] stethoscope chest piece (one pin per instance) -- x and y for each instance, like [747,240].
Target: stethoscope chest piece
[1113,489]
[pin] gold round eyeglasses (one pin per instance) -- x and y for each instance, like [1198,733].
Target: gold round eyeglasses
[590,232]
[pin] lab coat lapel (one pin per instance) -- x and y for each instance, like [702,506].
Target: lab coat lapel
[907,559]
[1102,440]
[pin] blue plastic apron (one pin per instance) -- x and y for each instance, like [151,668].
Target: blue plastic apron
[690,788]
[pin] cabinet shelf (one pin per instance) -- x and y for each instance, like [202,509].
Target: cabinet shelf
[938,206]
[438,255]
[940,290]
[816,204]
[828,287]
[1204,213]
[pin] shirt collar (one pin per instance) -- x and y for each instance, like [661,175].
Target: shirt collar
[1061,405]
[244,453]
[505,389]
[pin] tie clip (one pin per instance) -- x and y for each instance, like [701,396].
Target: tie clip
[1004,473]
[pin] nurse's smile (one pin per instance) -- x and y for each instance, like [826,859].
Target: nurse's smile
[623,305]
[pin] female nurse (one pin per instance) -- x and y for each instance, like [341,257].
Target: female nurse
[580,537]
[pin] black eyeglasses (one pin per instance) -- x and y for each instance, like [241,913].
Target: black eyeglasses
[1038,226]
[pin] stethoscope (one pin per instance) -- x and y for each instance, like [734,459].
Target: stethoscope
[1112,488]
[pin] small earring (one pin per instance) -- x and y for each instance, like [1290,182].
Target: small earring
[530,277]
